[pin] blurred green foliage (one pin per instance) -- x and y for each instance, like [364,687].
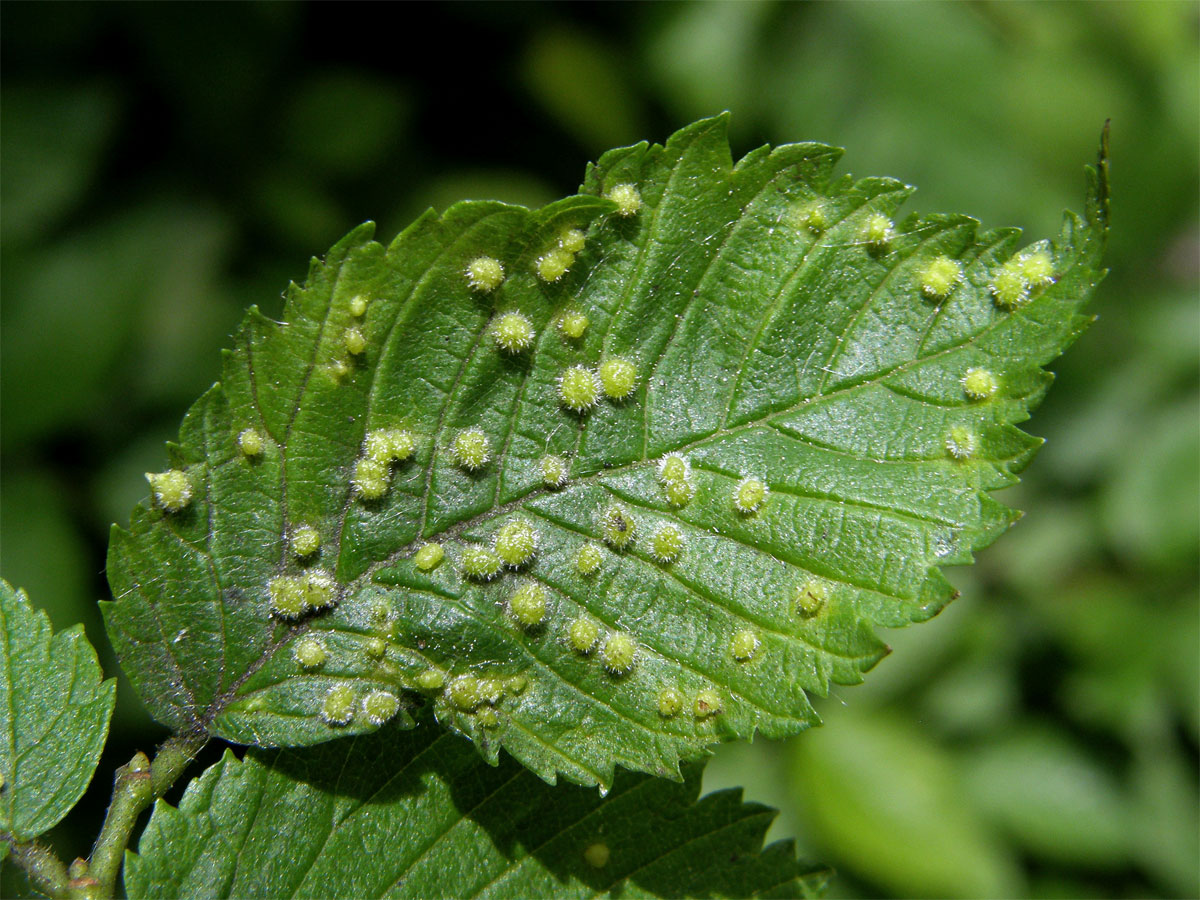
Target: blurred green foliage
[165,165]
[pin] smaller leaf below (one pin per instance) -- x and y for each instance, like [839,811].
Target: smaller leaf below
[418,814]
[54,714]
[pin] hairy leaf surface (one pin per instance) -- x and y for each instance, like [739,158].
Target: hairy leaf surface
[54,714]
[418,814]
[780,328]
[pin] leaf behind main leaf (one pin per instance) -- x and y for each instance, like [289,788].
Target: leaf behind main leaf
[419,814]
[780,328]
[54,713]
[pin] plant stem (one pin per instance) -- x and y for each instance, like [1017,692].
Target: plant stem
[46,872]
[135,786]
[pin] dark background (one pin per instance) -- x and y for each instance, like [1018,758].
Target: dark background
[163,166]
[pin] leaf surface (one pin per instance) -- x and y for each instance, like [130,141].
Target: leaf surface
[771,336]
[54,714]
[418,814]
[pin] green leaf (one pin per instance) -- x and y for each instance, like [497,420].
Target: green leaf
[768,340]
[418,814]
[54,713]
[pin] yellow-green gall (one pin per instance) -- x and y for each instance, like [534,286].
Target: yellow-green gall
[554,471]
[471,449]
[484,274]
[338,369]
[749,495]
[289,596]
[1037,267]
[431,680]
[354,341]
[744,645]
[617,527]
[480,563]
[488,717]
[464,692]
[375,647]
[618,653]
[491,690]
[250,442]
[979,384]
[679,493]
[811,215]
[171,489]
[811,597]
[582,635]
[572,240]
[708,703]
[309,652]
[666,543]
[513,332]
[877,231]
[338,707]
[370,479]
[674,467]
[578,388]
[379,706]
[357,305]
[960,442]
[618,377]
[429,557]
[1009,286]
[552,266]
[389,444]
[597,855]
[321,591]
[516,684]
[628,199]
[670,702]
[516,542]
[588,559]
[527,605]
[305,541]
[939,277]
[572,324]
